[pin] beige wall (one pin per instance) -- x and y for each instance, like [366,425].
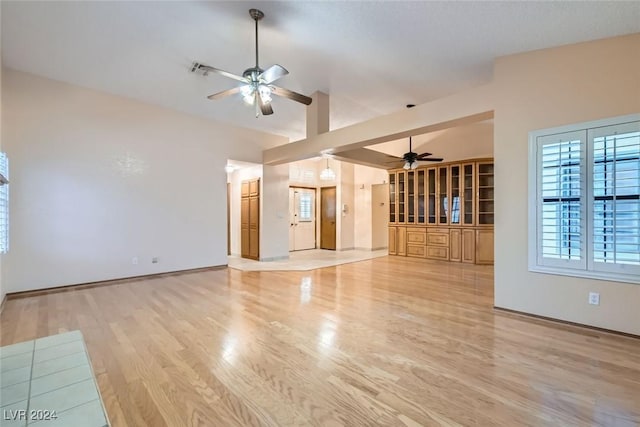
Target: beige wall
[539,90]
[365,230]
[99,179]
[274,220]
[345,239]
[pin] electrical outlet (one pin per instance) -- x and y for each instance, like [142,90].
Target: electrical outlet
[154,260]
[134,260]
[594,298]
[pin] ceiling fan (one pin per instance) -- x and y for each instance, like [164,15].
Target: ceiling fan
[257,86]
[411,159]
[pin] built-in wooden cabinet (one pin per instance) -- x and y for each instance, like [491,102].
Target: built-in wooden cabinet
[443,211]
[468,248]
[484,246]
[397,241]
[455,244]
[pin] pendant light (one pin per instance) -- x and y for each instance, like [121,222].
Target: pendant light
[327,174]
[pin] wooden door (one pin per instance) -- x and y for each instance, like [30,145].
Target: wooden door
[244,227]
[328,218]
[393,201]
[469,246]
[484,246]
[393,237]
[401,241]
[250,219]
[254,187]
[455,245]
[443,196]
[254,226]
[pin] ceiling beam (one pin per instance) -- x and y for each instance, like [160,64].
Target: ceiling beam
[470,106]
[367,157]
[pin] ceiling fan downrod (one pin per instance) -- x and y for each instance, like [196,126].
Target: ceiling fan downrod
[256,15]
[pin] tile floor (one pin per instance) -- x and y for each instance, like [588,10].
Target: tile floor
[49,382]
[305,260]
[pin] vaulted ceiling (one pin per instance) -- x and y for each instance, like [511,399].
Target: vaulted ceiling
[371,57]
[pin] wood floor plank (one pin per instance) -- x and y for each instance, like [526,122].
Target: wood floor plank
[391,341]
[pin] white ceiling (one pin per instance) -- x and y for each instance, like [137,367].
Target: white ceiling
[372,58]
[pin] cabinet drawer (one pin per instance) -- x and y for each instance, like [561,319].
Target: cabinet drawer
[416,237]
[438,239]
[438,252]
[416,251]
[416,230]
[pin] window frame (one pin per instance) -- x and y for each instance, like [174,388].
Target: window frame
[586,267]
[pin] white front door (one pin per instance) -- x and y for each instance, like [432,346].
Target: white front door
[302,212]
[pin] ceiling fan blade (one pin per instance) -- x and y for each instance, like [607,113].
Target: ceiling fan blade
[273,73]
[424,155]
[207,68]
[265,108]
[224,93]
[295,96]
[431,159]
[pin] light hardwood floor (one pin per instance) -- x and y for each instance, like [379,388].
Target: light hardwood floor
[389,341]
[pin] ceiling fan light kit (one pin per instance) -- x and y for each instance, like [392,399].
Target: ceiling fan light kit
[258,87]
[411,160]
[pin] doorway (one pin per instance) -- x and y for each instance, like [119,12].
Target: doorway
[328,218]
[302,215]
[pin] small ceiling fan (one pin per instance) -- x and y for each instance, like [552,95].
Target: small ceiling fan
[257,88]
[411,159]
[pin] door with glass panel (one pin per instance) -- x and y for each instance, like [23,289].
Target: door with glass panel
[443,196]
[468,192]
[302,224]
[431,196]
[456,207]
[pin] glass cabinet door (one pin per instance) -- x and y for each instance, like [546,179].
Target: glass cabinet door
[431,175]
[468,194]
[392,197]
[401,197]
[485,193]
[411,206]
[455,194]
[420,191]
[443,201]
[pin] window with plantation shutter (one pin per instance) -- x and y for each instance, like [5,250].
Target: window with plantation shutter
[615,172]
[584,188]
[560,216]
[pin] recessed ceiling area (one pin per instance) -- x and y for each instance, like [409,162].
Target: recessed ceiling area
[470,141]
[372,58]
[458,143]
